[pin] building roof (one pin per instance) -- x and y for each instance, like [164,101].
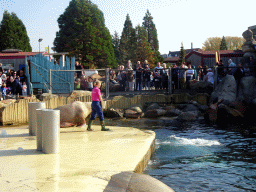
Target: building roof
[223,53]
[172,59]
[19,54]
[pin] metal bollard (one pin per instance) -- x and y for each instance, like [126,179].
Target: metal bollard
[32,120]
[50,130]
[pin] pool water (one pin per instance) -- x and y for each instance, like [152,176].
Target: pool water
[196,157]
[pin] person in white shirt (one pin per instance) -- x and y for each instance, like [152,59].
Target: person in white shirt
[189,74]
[210,76]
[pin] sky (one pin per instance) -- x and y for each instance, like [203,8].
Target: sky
[176,21]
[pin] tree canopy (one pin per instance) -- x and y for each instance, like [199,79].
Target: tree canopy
[182,55]
[213,43]
[223,44]
[84,35]
[13,33]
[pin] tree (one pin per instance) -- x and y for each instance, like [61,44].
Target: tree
[182,55]
[233,43]
[212,44]
[149,25]
[116,44]
[127,42]
[13,33]
[223,44]
[84,35]
[143,48]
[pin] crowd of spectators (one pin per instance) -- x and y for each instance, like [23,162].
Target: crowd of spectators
[140,77]
[13,82]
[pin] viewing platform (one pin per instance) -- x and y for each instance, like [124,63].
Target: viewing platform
[86,160]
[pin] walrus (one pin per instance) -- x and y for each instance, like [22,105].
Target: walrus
[74,114]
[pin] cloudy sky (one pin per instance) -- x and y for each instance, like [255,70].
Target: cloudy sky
[176,20]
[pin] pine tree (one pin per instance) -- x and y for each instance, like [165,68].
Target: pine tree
[116,44]
[84,35]
[13,33]
[143,49]
[127,42]
[149,25]
[223,44]
[182,55]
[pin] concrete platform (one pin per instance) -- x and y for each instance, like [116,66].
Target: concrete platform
[86,161]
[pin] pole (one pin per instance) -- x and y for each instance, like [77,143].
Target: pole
[107,83]
[50,81]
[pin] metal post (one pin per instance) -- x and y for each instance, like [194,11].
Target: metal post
[50,81]
[107,83]
[170,81]
[215,77]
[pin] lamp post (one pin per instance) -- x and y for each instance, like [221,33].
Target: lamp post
[39,40]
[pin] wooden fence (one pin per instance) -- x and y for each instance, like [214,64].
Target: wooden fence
[17,113]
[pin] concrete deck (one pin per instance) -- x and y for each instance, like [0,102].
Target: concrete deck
[86,161]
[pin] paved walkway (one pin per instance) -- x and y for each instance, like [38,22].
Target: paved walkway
[86,161]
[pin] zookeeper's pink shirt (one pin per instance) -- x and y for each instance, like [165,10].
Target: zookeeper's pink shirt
[95,94]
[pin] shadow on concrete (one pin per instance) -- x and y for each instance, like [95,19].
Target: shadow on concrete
[15,135]
[17,152]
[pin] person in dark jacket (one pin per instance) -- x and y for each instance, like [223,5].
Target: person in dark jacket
[239,73]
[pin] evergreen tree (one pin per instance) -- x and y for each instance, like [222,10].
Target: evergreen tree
[127,42]
[84,35]
[223,44]
[116,44]
[149,25]
[182,55]
[13,33]
[143,49]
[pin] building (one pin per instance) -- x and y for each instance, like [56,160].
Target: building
[14,58]
[207,58]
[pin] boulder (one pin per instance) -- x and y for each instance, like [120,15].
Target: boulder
[155,113]
[79,93]
[114,87]
[137,108]
[202,108]
[247,89]
[226,90]
[114,113]
[188,116]
[169,107]
[173,112]
[152,106]
[46,96]
[135,182]
[190,107]
[129,113]
[199,84]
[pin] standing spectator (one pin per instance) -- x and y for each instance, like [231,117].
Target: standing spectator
[220,70]
[122,78]
[84,83]
[195,72]
[145,63]
[146,77]
[130,77]
[247,71]
[200,73]
[175,76]
[24,89]
[90,83]
[189,75]
[23,77]
[112,77]
[1,69]
[78,66]
[78,84]
[231,67]
[139,74]
[209,76]
[164,79]
[239,73]
[182,76]
[13,86]
[3,90]
[4,78]
[157,79]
